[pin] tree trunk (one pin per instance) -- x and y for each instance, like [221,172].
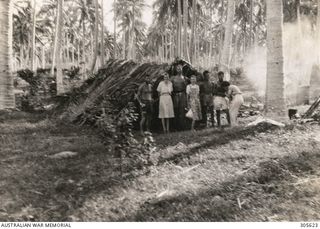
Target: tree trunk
[55,40]
[67,63]
[78,53]
[33,42]
[91,47]
[171,47]
[124,45]
[225,58]
[275,102]
[244,39]
[6,78]
[251,25]
[21,56]
[196,42]
[318,32]
[96,35]
[73,55]
[193,20]
[84,46]
[102,49]
[57,54]
[179,29]
[185,30]
[164,47]
[43,58]
[115,31]
[132,36]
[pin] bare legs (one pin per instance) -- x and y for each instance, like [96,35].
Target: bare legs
[205,110]
[192,125]
[142,122]
[145,120]
[219,116]
[234,109]
[165,125]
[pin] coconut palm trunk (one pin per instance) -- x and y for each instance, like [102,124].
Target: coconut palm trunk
[318,32]
[185,29]
[96,35]
[84,45]
[275,101]
[43,57]
[57,54]
[102,49]
[193,21]
[6,78]
[251,25]
[115,32]
[225,58]
[33,42]
[179,29]
[21,56]
[132,36]
[78,53]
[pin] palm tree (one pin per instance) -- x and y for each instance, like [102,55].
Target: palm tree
[179,31]
[6,77]
[129,15]
[96,35]
[318,31]
[275,101]
[102,49]
[57,54]
[225,58]
[33,44]
[194,15]
[251,24]
[115,30]
[185,29]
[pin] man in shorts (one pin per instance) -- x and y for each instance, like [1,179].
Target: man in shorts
[144,97]
[206,98]
[220,101]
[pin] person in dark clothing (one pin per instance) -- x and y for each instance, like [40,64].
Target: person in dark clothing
[206,98]
[220,102]
[179,83]
[145,100]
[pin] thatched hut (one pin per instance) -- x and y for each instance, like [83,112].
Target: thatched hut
[118,82]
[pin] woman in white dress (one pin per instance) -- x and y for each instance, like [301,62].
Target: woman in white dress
[165,104]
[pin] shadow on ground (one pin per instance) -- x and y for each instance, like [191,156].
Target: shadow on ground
[34,187]
[241,199]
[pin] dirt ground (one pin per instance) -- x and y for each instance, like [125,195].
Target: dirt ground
[242,174]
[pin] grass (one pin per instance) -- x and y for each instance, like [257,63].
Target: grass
[243,174]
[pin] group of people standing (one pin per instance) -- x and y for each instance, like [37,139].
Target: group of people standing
[181,98]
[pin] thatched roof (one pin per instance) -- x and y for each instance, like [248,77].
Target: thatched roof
[118,79]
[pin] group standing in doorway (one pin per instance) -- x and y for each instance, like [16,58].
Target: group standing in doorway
[181,98]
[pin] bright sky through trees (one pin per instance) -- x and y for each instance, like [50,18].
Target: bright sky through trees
[147,14]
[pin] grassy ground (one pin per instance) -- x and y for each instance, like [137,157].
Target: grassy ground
[243,174]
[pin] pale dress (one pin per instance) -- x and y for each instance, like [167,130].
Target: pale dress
[193,92]
[165,103]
